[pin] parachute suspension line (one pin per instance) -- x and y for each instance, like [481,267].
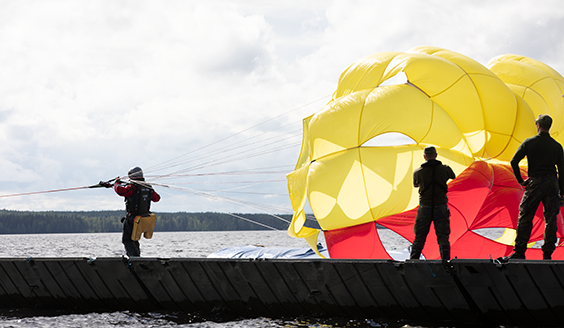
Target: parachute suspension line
[231,159]
[162,165]
[242,187]
[244,192]
[221,198]
[170,176]
[226,157]
[241,172]
[159,166]
[218,183]
[99,185]
[249,147]
[220,151]
[231,214]
[43,192]
[253,172]
[266,209]
[292,134]
[227,173]
[288,210]
[210,195]
[254,184]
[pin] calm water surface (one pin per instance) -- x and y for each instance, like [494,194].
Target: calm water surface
[163,244]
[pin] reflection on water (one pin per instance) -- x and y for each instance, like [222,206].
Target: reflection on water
[164,245]
[28,319]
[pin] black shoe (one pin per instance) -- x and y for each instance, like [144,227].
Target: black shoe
[514,256]
[415,253]
[445,253]
[517,256]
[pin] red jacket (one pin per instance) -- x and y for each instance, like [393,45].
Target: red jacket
[129,189]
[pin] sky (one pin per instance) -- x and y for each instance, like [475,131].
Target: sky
[207,96]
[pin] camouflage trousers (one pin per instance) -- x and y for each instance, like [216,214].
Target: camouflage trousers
[542,189]
[426,214]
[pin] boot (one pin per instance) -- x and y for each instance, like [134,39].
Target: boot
[546,256]
[445,252]
[513,256]
[415,253]
[517,256]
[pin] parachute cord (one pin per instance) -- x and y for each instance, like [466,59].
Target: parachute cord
[211,195]
[254,184]
[234,215]
[232,173]
[229,148]
[232,159]
[216,173]
[216,197]
[251,144]
[494,261]
[147,183]
[44,192]
[227,173]
[245,192]
[225,182]
[160,166]
[430,269]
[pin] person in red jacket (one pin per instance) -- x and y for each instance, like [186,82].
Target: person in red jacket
[138,197]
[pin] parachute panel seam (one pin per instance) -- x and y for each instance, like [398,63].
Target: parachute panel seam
[489,191]
[360,159]
[485,152]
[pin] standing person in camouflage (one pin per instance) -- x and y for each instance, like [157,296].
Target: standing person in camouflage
[431,179]
[544,184]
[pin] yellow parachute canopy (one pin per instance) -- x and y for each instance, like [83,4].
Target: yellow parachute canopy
[469,112]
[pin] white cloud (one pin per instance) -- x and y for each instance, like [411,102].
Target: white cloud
[90,89]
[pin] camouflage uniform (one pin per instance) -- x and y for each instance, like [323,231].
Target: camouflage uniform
[431,178]
[426,214]
[540,189]
[544,155]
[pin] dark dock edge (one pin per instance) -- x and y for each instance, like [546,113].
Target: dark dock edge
[465,292]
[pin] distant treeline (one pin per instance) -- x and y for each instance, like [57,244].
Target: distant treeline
[22,222]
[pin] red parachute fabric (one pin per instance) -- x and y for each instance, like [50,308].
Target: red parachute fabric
[356,242]
[482,196]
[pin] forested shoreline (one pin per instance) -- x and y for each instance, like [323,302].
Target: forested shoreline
[24,222]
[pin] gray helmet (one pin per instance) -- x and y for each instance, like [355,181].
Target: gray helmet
[135,173]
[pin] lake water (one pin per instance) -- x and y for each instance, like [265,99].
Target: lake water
[163,244]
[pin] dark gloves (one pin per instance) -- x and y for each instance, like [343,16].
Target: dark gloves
[106,184]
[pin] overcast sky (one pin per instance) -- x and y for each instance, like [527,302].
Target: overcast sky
[209,93]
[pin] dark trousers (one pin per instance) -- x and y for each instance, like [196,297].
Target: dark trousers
[545,190]
[131,247]
[426,214]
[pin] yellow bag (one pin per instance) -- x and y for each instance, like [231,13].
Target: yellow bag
[143,225]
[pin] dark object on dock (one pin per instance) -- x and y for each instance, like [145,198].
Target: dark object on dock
[465,292]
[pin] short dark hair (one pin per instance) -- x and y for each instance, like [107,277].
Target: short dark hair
[430,150]
[544,121]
